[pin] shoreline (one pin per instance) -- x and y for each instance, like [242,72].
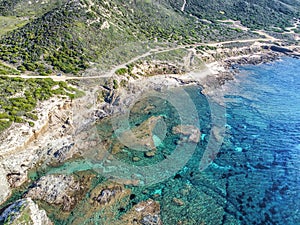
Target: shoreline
[210,79]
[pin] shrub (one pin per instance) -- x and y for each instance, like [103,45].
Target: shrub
[122,71]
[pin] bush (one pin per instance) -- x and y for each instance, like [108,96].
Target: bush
[115,84]
[122,71]
[21,68]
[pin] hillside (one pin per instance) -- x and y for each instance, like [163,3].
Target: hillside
[263,14]
[68,36]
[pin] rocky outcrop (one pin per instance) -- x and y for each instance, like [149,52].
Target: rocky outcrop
[144,213]
[108,194]
[280,49]
[56,189]
[253,59]
[147,68]
[16,179]
[24,211]
[26,135]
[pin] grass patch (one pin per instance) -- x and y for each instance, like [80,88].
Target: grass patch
[9,23]
[176,55]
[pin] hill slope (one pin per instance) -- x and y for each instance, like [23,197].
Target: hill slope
[68,35]
[261,14]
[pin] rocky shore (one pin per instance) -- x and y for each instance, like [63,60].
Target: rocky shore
[63,134]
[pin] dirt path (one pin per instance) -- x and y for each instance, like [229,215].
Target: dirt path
[183,6]
[235,23]
[269,37]
[153,51]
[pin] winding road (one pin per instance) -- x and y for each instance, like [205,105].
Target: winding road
[150,52]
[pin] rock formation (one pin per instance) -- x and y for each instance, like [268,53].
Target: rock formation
[24,211]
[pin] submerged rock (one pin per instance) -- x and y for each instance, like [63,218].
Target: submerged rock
[136,159]
[150,154]
[24,211]
[141,136]
[178,202]
[106,195]
[151,220]
[192,132]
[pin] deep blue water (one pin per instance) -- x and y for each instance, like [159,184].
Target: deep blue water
[255,178]
[263,111]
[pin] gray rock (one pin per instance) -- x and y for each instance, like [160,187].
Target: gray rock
[4,186]
[25,211]
[106,195]
[151,220]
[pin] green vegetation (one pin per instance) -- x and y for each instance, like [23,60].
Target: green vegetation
[63,36]
[203,48]
[4,124]
[9,23]
[6,70]
[41,46]
[123,83]
[261,14]
[115,84]
[176,55]
[19,98]
[66,36]
[237,44]
[25,8]
[21,214]
[122,71]
[25,218]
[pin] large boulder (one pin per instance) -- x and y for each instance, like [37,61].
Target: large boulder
[24,211]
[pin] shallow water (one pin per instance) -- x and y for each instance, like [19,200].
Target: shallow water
[254,178]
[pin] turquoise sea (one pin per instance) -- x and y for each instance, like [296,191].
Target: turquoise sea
[255,178]
[254,174]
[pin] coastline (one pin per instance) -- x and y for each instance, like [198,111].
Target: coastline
[14,161]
